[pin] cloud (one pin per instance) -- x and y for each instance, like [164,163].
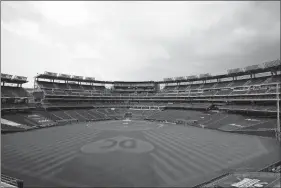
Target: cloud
[144,40]
[26,28]
[67,14]
[85,51]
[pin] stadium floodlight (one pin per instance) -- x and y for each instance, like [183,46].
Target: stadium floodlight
[65,75]
[23,78]
[204,75]
[252,67]
[51,74]
[179,78]
[191,77]
[90,78]
[77,77]
[273,63]
[6,76]
[233,71]
[168,79]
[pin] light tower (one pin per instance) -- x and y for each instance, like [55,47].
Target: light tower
[278,135]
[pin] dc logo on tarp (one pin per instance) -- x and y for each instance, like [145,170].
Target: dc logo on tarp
[120,143]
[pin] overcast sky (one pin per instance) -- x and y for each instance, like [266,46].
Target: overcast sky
[136,40]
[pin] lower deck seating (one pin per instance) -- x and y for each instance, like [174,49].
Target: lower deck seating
[173,115]
[74,115]
[50,115]
[20,118]
[250,107]
[85,114]
[5,127]
[61,114]
[8,91]
[34,119]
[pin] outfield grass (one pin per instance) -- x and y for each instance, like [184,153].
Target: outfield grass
[136,153]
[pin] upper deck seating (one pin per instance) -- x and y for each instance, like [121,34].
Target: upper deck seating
[257,91]
[238,83]
[48,91]
[170,87]
[62,86]
[239,92]
[256,81]
[182,87]
[59,92]
[99,88]
[45,84]
[75,87]
[207,85]
[222,84]
[85,93]
[87,87]
[194,86]
[224,92]
[211,92]
[194,94]
[271,90]
[171,94]
[272,79]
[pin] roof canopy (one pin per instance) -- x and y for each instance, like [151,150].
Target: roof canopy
[253,69]
[7,78]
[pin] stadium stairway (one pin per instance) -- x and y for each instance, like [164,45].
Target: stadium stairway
[94,115]
[102,112]
[83,118]
[62,115]
[85,114]
[97,114]
[74,115]
[49,115]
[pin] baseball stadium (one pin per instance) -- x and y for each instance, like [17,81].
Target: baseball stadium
[140,94]
[196,131]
